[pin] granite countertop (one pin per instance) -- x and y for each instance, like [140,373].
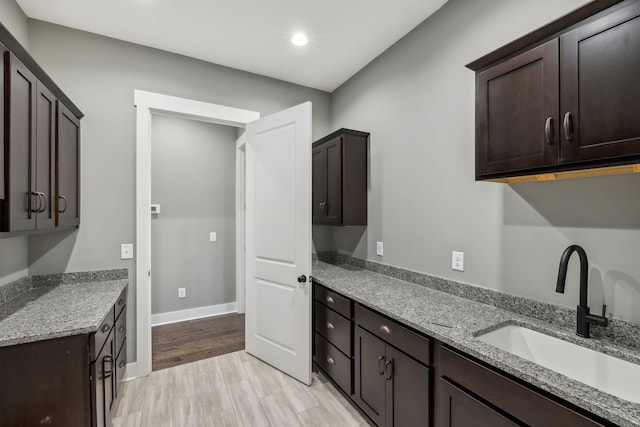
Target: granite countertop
[457,321]
[47,312]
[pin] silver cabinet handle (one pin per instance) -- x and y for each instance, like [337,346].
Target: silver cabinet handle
[30,207]
[568,127]
[330,325]
[548,130]
[45,202]
[330,300]
[65,204]
[330,360]
[386,330]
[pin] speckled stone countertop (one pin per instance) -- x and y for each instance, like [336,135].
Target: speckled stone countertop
[457,321]
[58,309]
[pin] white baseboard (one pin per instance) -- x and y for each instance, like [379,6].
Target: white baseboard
[193,313]
[131,371]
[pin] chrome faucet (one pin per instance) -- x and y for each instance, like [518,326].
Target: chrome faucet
[584,318]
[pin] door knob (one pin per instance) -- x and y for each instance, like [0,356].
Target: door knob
[302,278]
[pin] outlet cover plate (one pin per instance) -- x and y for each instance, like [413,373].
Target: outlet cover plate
[182,292]
[126,251]
[379,249]
[457,261]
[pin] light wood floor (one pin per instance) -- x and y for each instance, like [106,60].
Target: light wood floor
[185,342]
[234,389]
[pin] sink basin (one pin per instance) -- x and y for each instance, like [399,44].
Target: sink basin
[607,373]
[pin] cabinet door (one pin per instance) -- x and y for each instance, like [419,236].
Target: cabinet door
[458,409]
[517,113]
[67,168]
[45,156]
[319,184]
[600,92]
[408,397]
[3,52]
[369,375]
[20,211]
[333,207]
[103,385]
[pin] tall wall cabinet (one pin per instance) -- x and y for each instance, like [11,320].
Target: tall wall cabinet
[39,156]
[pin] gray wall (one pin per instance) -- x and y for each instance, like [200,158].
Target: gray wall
[14,19]
[417,100]
[100,74]
[193,174]
[14,252]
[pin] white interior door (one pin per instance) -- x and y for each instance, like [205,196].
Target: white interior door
[278,233]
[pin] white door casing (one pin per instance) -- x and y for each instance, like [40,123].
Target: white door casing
[278,233]
[147,104]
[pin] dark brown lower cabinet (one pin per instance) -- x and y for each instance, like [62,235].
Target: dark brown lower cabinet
[459,409]
[390,387]
[103,384]
[469,390]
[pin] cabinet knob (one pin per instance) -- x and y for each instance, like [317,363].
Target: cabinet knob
[386,330]
[121,329]
[106,328]
[121,364]
[302,278]
[330,325]
[330,360]
[329,300]
[121,301]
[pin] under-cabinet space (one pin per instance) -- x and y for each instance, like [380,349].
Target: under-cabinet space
[339,178]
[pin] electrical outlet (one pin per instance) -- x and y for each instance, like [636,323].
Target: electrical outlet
[457,261]
[126,251]
[379,248]
[213,236]
[182,292]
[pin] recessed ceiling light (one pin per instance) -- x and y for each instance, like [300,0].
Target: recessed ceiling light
[299,39]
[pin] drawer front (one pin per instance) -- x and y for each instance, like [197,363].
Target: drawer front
[410,342]
[98,339]
[121,329]
[514,398]
[335,328]
[121,364]
[121,302]
[334,363]
[333,300]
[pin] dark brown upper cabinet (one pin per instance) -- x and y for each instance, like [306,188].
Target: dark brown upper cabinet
[562,101]
[339,190]
[67,168]
[39,153]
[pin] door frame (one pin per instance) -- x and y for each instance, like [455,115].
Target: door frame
[147,104]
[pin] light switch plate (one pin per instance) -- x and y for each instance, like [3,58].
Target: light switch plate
[379,249]
[457,261]
[126,251]
[213,236]
[182,292]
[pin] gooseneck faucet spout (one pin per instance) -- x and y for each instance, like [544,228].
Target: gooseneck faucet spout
[584,318]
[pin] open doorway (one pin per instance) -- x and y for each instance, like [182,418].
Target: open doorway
[194,311]
[150,105]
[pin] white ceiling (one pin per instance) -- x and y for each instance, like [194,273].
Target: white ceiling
[251,35]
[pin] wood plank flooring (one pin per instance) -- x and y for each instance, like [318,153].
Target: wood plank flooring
[234,389]
[185,342]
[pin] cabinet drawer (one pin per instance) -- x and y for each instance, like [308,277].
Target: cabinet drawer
[121,364]
[333,300]
[412,343]
[121,302]
[96,340]
[334,363]
[121,329]
[513,398]
[335,328]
